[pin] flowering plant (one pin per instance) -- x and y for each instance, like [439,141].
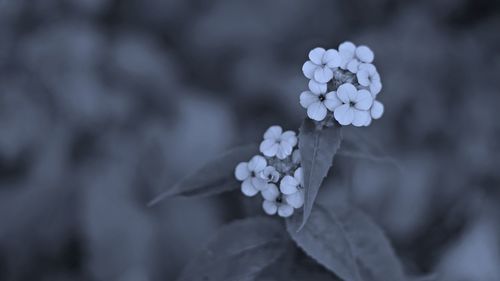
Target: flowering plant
[287,176]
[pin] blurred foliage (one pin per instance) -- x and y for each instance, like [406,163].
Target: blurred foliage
[103,104]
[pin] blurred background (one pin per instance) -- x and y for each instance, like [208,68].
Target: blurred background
[105,103]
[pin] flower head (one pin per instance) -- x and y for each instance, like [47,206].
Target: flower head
[275,203]
[320,64]
[355,107]
[292,188]
[317,101]
[278,143]
[249,174]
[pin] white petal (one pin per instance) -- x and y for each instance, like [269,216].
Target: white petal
[360,117]
[271,192]
[345,59]
[241,172]
[284,150]
[296,156]
[346,91]
[248,189]
[274,132]
[368,121]
[316,87]
[323,74]
[316,111]
[375,87]
[258,183]
[363,100]
[269,147]
[285,210]
[299,175]
[377,110]
[270,207]
[365,54]
[288,185]
[331,58]
[308,69]
[346,52]
[367,66]
[316,55]
[307,98]
[347,47]
[353,65]
[332,101]
[257,163]
[295,200]
[363,77]
[344,114]
[290,137]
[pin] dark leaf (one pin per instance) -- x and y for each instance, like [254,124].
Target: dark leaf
[430,277]
[349,243]
[215,177]
[240,251]
[295,265]
[354,145]
[317,149]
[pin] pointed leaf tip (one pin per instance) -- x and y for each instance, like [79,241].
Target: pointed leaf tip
[214,177]
[318,147]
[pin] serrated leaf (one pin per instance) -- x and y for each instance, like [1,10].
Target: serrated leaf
[240,251]
[317,149]
[214,177]
[349,243]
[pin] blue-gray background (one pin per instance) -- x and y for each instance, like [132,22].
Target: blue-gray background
[103,104]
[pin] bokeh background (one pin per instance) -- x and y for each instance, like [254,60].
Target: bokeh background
[105,103]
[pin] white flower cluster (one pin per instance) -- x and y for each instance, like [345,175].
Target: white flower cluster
[343,85]
[277,175]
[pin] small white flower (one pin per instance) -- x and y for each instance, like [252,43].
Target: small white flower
[352,56]
[317,101]
[355,107]
[278,143]
[292,188]
[320,64]
[368,76]
[273,202]
[270,174]
[248,173]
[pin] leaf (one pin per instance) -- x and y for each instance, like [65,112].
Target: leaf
[215,177]
[354,145]
[317,149]
[240,251]
[429,277]
[348,243]
[295,265]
